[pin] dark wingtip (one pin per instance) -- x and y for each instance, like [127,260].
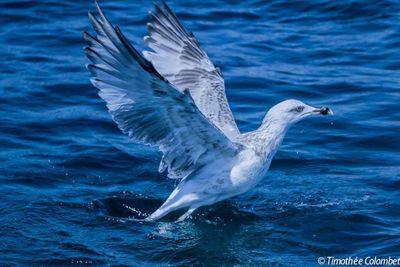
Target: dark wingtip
[100,11]
[90,67]
[157,4]
[89,53]
[92,19]
[88,37]
[164,4]
[85,34]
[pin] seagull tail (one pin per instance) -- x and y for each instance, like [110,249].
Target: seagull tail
[177,200]
[171,204]
[160,212]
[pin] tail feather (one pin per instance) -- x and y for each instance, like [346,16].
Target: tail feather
[159,213]
[170,205]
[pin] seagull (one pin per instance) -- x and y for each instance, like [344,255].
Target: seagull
[172,97]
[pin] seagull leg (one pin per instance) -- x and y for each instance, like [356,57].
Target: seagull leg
[187,214]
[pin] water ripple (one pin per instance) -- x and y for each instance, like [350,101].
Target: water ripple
[74,190]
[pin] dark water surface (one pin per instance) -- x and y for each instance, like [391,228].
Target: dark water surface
[67,173]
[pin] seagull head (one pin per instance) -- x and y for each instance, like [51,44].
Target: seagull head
[291,111]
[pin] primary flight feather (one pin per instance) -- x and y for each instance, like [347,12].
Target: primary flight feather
[174,98]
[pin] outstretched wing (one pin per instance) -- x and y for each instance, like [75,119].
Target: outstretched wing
[179,58]
[148,108]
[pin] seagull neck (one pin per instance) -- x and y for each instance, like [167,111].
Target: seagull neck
[269,137]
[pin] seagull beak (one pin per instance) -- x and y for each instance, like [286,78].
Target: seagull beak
[323,111]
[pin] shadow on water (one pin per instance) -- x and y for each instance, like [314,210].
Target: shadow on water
[130,206]
[126,207]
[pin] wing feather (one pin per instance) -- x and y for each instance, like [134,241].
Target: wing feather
[178,57]
[147,107]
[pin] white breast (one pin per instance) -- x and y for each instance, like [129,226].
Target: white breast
[247,171]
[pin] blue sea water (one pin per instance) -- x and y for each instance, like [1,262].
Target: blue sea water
[67,173]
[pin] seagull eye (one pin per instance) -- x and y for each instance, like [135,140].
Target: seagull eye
[299,108]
